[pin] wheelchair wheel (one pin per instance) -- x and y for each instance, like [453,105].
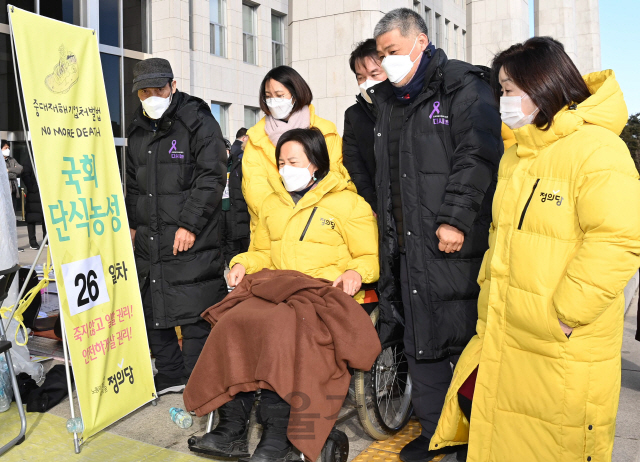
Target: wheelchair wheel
[383,394]
[336,448]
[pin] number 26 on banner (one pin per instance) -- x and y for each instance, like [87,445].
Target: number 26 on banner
[84,284]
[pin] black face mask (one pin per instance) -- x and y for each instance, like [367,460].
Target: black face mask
[416,84]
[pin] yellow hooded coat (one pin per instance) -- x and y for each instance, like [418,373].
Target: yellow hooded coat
[564,241]
[259,163]
[330,230]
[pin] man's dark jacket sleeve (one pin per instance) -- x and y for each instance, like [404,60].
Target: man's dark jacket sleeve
[132,190]
[354,162]
[210,175]
[475,127]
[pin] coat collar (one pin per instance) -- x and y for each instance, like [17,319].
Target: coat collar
[333,182]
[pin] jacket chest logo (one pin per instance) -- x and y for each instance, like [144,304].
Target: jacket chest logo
[173,150]
[438,119]
[328,222]
[548,197]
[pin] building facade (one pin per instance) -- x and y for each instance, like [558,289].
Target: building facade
[220,50]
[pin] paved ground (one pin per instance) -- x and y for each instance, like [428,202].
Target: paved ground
[152,424]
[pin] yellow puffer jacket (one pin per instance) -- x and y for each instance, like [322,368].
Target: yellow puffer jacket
[565,240]
[259,163]
[329,231]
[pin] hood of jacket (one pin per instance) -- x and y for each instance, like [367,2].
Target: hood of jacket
[605,108]
[332,182]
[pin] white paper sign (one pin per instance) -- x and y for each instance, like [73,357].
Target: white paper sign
[84,284]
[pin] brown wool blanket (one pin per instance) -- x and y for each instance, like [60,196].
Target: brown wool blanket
[290,333]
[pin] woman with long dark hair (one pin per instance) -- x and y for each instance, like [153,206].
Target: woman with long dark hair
[541,379]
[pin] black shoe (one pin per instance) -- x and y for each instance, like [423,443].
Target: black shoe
[20,249]
[229,438]
[34,245]
[418,450]
[166,384]
[274,446]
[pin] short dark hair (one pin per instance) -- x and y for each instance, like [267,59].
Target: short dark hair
[407,21]
[363,50]
[240,133]
[4,143]
[293,81]
[542,69]
[314,145]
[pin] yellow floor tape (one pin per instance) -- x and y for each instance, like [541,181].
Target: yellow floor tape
[389,450]
[47,440]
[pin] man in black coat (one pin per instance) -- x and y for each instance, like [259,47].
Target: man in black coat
[235,235]
[438,146]
[33,205]
[359,122]
[175,178]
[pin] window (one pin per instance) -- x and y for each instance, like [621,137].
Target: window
[251,116]
[9,106]
[455,42]
[109,22]
[249,39]
[24,4]
[464,45]
[416,6]
[438,31]
[62,10]
[277,40]
[218,31]
[427,19]
[446,36]
[134,25]
[131,101]
[111,73]
[220,112]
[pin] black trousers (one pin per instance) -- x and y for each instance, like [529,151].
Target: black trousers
[164,345]
[430,378]
[231,248]
[31,229]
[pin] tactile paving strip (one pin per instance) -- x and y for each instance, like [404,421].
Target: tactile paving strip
[388,450]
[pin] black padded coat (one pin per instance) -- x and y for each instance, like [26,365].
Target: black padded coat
[175,178]
[33,206]
[450,148]
[238,214]
[357,149]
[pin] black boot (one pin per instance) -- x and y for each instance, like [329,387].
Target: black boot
[274,446]
[229,438]
[418,450]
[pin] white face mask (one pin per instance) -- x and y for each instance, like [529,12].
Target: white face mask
[511,112]
[398,67]
[295,178]
[365,86]
[6,152]
[280,108]
[155,106]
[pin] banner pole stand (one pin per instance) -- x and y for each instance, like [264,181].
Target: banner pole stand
[76,441]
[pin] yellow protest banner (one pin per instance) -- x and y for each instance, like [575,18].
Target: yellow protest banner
[77,169]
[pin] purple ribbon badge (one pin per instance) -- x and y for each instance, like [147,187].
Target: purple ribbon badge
[173,146]
[436,109]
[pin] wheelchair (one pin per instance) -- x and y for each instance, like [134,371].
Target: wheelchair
[381,396]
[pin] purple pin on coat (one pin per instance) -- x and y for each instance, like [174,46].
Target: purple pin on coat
[436,109]
[173,146]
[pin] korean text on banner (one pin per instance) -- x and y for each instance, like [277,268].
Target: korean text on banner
[77,168]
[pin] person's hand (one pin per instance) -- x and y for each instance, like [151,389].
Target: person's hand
[184,240]
[450,237]
[351,282]
[133,237]
[566,329]
[236,275]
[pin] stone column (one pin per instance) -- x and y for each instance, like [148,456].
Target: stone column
[588,36]
[493,26]
[170,36]
[557,19]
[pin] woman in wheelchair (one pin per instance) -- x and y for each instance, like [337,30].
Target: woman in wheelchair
[316,226]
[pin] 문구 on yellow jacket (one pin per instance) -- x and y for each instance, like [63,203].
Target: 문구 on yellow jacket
[330,230]
[259,163]
[564,242]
